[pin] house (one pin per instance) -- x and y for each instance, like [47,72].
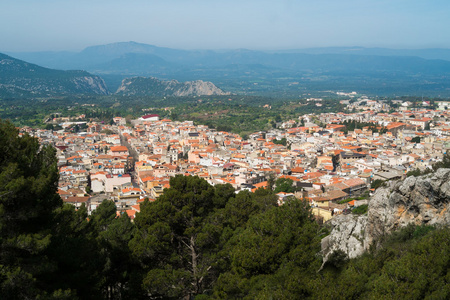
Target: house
[118,151]
[335,195]
[350,157]
[150,117]
[119,120]
[422,123]
[350,186]
[323,212]
[325,199]
[113,182]
[130,194]
[263,184]
[386,175]
[64,194]
[354,186]
[156,191]
[77,201]
[282,197]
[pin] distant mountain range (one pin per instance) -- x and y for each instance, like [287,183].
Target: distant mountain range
[376,71]
[22,79]
[94,56]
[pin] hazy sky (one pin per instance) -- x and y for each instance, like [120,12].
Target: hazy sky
[35,25]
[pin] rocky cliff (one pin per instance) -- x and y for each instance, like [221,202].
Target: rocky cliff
[142,86]
[416,200]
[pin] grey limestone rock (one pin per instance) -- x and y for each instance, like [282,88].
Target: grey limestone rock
[417,200]
[154,87]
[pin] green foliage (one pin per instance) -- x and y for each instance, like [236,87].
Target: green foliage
[75,252]
[179,238]
[445,163]
[417,172]
[272,255]
[245,204]
[284,185]
[415,139]
[280,142]
[365,195]
[28,200]
[338,259]
[409,264]
[118,265]
[234,113]
[377,183]
[353,124]
[102,217]
[345,200]
[360,210]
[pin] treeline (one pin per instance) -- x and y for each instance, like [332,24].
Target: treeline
[195,241]
[233,113]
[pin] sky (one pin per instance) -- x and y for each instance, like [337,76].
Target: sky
[55,25]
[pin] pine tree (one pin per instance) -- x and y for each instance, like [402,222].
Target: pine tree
[28,200]
[179,238]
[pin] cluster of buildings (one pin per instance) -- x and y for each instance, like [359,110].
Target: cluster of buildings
[326,163]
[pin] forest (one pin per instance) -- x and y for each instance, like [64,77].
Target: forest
[196,241]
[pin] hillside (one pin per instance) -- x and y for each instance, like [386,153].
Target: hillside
[141,86]
[22,79]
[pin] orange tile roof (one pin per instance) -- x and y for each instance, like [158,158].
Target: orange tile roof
[131,213]
[298,170]
[136,207]
[290,177]
[131,190]
[119,149]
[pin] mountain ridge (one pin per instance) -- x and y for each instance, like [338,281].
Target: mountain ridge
[20,78]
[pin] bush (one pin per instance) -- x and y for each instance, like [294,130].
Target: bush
[345,200]
[360,210]
[376,183]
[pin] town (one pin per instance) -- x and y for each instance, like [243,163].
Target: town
[333,160]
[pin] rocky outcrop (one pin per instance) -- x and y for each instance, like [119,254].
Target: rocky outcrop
[93,84]
[347,236]
[416,200]
[142,86]
[199,88]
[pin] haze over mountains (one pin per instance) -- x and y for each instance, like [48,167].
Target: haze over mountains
[374,71]
[96,56]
